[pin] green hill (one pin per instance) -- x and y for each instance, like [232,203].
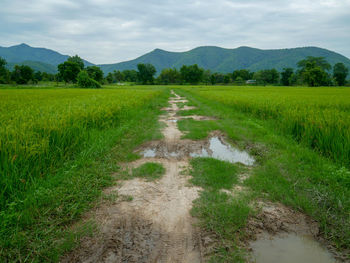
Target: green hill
[24,53]
[214,58]
[37,66]
[226,60]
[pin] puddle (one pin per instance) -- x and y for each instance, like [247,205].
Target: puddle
[214,148]
[149,153]
[290,248]
[152,153]
[223,152]
[173,120]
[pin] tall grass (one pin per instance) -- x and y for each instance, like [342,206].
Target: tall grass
[41,129]
[316,117]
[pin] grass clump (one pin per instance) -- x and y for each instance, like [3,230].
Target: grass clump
[221,213]
[213,174]
[196,130]
[218,212]
[149,171]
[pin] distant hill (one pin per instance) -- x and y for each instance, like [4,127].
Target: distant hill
[214,58]
[226,60]
[35,65]
[21,54]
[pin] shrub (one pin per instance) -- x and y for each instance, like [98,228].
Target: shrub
[84,81]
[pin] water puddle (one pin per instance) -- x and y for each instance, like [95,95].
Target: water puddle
[149,153]
[214,148]
[172,120]
[290,248]
[224,152]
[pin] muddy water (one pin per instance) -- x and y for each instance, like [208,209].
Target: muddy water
[290,248]
[223,151]
[214,147]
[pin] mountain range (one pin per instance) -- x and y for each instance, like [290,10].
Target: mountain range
[214,58]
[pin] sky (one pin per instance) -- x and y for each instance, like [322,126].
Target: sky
[110,31]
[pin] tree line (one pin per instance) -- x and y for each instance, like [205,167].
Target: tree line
[312,71]
[22,74]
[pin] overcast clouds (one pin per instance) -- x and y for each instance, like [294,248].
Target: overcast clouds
[108,31]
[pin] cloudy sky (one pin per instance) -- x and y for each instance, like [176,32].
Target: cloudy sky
[108,31]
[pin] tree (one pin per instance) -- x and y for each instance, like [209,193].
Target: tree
[313,71]
[4,73]
[191,74]
[286,78]
[47,76]
[119,76]
[95,73]
[242,74]
[78,60]
[22,74]
[340,73]
[169,76]
[217,78]
[267,76]
[146,73]
[206,78]
[130,75]
[109,78]
[314,75]
[84,81]
[38,76]
[68,71]
[317,61]
[227,78]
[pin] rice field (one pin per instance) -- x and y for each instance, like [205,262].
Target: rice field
[316,117]
[40,129]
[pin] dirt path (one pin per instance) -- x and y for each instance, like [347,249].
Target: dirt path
[156,226]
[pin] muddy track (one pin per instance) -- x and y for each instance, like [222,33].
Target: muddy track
[156,226]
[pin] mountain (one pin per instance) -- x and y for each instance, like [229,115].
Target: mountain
[226,60]
[36,56]
[214,58]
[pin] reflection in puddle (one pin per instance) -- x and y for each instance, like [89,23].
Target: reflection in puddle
[290,248]
[215,148]
[149,153]
[172,120]
[224,152]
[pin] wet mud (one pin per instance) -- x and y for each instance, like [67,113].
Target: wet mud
[280,234]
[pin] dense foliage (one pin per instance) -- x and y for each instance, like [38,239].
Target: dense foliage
[85,81]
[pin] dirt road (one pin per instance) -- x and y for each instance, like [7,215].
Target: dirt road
[156,226]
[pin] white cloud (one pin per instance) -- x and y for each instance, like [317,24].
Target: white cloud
[108,31]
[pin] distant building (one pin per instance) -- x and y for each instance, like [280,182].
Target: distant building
[250,81]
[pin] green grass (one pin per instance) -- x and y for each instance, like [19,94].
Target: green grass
[181,105]
[44,128]
[149,171]
[213,174]
[287,170]
[36,222]
[197,130]
[318,118]
[218,212]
